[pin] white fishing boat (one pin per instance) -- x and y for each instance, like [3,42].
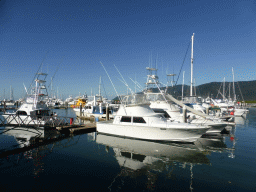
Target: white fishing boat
[34,111]
[240,111]
[96,106]
[136,119]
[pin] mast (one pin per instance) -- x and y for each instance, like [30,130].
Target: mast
[224,89]
[229,93]
[195,86]
[183,85]
[234,84]
[11,94]
[192,52]
[51,88]
[99,87]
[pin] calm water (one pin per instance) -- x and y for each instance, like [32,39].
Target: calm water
[103,163]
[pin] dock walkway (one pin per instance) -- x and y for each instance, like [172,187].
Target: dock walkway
[88,127]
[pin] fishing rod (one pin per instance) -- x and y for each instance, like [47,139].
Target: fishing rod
[124,80]
[56,71]
[111,81]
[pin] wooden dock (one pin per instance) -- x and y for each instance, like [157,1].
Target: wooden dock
[90,118]
[88,127]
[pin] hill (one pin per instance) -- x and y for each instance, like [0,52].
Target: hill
[244,90]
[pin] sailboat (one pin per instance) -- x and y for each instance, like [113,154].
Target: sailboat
[193,101]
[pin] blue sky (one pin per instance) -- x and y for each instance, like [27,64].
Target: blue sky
[76,35]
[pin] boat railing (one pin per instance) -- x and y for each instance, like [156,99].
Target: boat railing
[34,121]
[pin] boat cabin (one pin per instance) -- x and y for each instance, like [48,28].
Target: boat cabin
[130,119]
[37,113]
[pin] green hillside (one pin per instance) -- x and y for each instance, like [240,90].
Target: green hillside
[243,89]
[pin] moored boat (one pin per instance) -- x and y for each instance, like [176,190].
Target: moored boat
[138,120]
[34,111]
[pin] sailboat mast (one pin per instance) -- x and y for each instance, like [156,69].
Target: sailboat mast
[234,84]
[183,84]
[192,53]
[229,93]
[224,89]
[99,87]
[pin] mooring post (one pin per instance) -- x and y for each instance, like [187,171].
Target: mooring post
[107,113]
[80,109]
[207,110]
[184,114]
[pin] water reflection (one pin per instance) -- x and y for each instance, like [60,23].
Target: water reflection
[25,136]
[138,157]
[31,145]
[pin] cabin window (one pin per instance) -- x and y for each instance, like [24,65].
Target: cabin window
[42,113]
[138,157]
[105,110]
[21,113]
[166,115]
[126,154]
[138,120]
[126,119]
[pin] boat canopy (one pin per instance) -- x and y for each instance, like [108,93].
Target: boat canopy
[135,99]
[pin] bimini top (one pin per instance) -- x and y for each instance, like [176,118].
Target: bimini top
[135,99]
[136,110]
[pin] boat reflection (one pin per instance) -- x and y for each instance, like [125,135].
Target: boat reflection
[32,146]
[138,157]
[25,136]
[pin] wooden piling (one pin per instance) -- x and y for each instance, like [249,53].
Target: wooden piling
[184,114]
[80,109]
[207,110]
[107,113]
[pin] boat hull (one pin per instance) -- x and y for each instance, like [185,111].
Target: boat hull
[240,112]
[151,133]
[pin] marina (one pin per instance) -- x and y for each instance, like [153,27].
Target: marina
[53,161]
[128,95]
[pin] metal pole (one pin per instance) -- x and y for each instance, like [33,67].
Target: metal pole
[191,86]
[183,84]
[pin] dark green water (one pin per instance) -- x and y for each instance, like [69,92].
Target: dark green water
[90,162]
